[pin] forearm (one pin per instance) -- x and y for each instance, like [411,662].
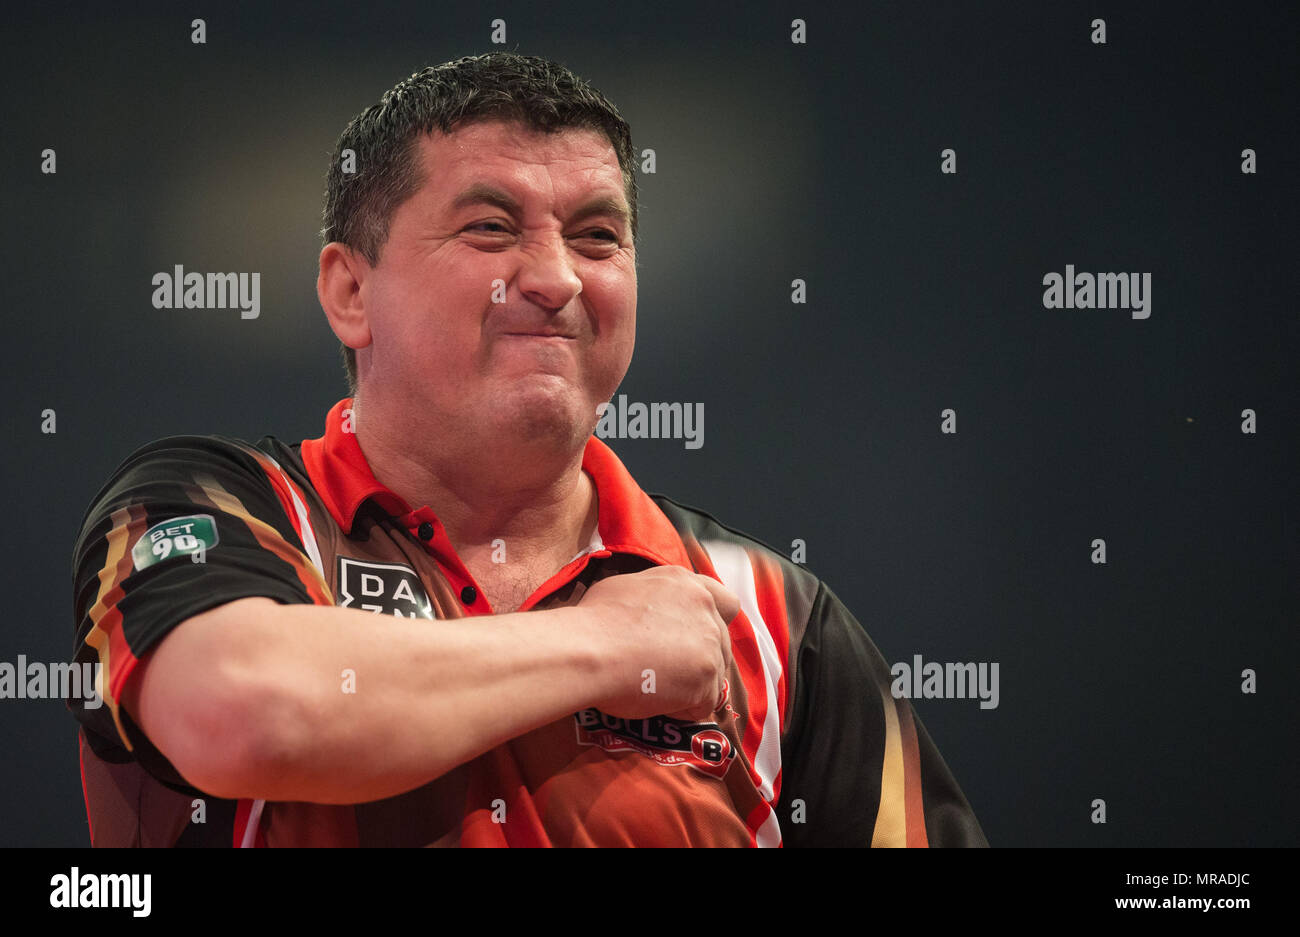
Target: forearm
[335,705]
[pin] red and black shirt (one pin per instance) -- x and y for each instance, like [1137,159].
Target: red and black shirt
[810,749]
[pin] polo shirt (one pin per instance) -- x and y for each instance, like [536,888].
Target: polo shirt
[810,748]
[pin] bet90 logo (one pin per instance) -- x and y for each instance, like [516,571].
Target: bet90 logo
[181,536]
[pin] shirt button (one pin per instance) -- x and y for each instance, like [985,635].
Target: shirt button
[469,595]
[426,531]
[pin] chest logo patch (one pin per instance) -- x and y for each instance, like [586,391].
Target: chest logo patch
[702,745]
[382,588]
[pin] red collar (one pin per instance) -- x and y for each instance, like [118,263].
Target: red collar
[627,520]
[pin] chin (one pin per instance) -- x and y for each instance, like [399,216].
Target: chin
[549,410]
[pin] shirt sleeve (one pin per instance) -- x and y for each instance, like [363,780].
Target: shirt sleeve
[859,768]
[184,524]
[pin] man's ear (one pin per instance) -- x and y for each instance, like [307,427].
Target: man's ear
[342,271]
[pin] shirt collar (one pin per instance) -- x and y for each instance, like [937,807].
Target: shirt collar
[627,520]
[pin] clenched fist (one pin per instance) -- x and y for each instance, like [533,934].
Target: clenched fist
[669,621]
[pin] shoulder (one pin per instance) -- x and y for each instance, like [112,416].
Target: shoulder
[184,450]
[169,457]
[756,571]
[703,526]
[173,470]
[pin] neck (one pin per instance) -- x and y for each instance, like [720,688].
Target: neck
[483,486]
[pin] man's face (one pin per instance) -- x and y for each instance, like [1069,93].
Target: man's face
[504,301]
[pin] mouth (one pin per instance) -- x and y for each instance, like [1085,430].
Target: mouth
[540,335]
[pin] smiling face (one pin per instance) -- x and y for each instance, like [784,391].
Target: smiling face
[504,301]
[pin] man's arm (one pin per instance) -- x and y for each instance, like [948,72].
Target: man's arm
[247,700]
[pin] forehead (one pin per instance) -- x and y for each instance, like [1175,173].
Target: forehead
[571,162]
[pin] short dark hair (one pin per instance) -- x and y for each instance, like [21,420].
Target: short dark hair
[543,95]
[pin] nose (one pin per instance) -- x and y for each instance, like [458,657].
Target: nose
[546,276]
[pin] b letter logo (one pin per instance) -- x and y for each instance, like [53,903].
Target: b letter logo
[711,747]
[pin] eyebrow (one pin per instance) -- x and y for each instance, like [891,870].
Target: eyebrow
[481,193]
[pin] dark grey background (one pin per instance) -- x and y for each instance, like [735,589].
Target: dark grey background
[775,161]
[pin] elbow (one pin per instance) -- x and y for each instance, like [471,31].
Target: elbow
[244,740]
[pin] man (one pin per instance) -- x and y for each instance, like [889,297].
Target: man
[606,668]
